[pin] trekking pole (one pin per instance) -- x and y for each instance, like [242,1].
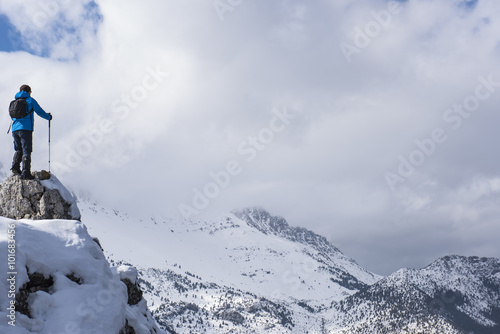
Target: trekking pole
[49,146]
[10,126]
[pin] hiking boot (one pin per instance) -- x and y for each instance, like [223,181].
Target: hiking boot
[16,163]
[27,176]
[26,173]
[16,171]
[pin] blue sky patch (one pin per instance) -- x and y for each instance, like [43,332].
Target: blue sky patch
[49,32]
[9,39]
[469,4]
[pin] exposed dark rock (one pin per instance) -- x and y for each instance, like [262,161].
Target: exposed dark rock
[233,316]
[96,240]
[37,282]
[192,307]
[74,278]
[134,292]
[127,329]
[43,175]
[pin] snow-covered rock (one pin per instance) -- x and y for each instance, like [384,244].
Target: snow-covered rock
[60,281]
[54,277]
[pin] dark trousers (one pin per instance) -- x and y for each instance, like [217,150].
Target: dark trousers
[23,141]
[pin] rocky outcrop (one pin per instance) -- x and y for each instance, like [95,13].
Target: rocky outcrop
[3,175]
[57,276]
[41,198]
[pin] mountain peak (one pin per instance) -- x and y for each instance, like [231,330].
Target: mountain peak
[462,264]
[264,222]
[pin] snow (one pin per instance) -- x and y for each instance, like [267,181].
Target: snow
[63,249]
[126,272]
[225,251]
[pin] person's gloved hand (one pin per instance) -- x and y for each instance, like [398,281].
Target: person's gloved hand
[50,116]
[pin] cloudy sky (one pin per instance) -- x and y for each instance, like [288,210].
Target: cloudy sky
[373,123]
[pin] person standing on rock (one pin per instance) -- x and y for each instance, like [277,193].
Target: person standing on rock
[22,131]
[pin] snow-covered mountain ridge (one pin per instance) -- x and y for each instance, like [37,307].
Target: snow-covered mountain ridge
[261,220]
[230,251]
[325,252]
[455,294]
[250,272]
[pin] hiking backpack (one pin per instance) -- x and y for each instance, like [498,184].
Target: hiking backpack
[18,108]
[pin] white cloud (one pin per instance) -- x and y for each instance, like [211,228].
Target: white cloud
[60,29]
[326,169]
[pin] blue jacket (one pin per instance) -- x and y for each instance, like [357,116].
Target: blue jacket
[28,122]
